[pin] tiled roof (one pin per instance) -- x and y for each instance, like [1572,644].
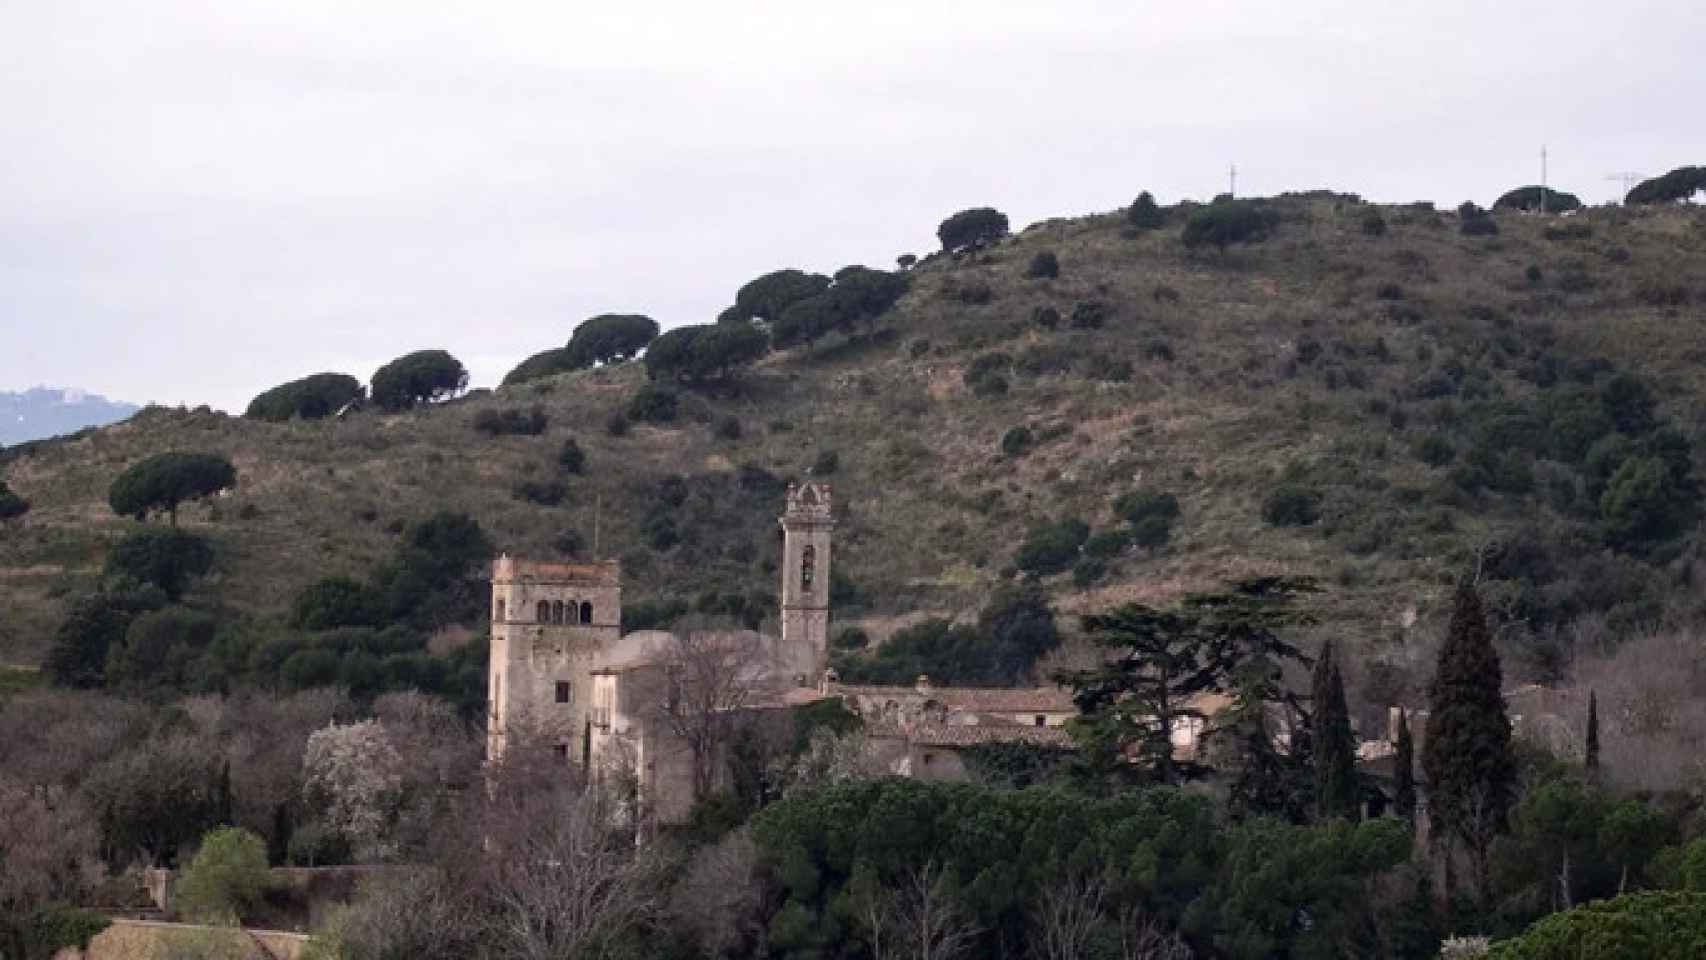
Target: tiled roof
[969,735]
[976,699]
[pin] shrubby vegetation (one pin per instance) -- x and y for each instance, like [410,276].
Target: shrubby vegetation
[310,398]
[12,506]
[1538,198]
[511,421]
[1144,214]
[1015,629]
[696,354]
[972,229]
[1224,223]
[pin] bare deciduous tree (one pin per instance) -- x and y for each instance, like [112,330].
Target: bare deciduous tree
[930,923]
[1143,937]
[710,677]
[1065,917]
[719,900]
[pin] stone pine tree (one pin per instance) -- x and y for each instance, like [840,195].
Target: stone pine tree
[1336,793]
[1591,757]
[1404,770]
[1467,757]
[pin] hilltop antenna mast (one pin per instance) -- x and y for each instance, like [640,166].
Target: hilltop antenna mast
[1232,175]
[1628,178]
[1543,178]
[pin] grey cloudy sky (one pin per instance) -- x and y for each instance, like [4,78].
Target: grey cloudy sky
[201,199]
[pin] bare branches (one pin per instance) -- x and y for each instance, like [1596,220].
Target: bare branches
[710,677]
[930,922]
[1065,917]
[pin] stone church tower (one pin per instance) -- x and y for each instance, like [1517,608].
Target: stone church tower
[552,624]
[807,523]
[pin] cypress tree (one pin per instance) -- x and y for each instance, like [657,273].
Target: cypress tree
[1467,759]
[1404,770]
[1336,792]
[1593,735]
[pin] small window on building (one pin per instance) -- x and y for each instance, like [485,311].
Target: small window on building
[561,750]
[498,610]
[808,567]
[562,691]
[929,758]
[586,613]
[1042,721]
[544,612]
[557,612]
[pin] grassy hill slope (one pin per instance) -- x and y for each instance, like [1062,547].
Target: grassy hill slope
[1319,360]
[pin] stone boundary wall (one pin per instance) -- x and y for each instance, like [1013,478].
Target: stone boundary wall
[152,940]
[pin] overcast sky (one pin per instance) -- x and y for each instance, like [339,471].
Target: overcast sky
[201,199]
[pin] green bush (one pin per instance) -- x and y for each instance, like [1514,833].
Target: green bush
[973,293]
[1373,224]
[1144,214]
[511,422]
[545,493]
[1475,222]
[616,425]
[309,398]
[424,376]
[1046,317]
[163,556]
[546,363]
[1667,925]
[1291,506]
[227,878]
[1109,368]
[970,229]
[46,932]
[827,463]
[570,457]
[1228,222]
[1016,440]
[1051,547]
[1044,266]
[11,505]
[163,481]
[1107,544]
[1089,315]
[1538,198]
[984,374]
[1088,571]
[333,602]
[653,404]
[1435,450]
[768,297]
[1139,505]
[850,638]
[694,354]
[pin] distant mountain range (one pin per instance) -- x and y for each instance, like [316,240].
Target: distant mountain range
[48,411]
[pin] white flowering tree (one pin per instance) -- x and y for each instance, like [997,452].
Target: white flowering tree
[354,774]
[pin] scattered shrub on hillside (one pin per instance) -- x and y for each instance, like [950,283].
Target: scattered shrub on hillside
[1164,294]
[425,376]
[906,261]
[1044,266]
[1435,450]
[972,229]
[1373,224]
[729,428]
[1144,213]
[11,505]
[1107,544]
[653,404]
[1291,506]
[1045,358]
[1389,291]
[226,880]
[570,457]
[1107,368]
[1088,571]
[1663,293]
[1158,349]
[334,602]
[616,425]
[973,293]
[511,421]
[826,463]
[1534,275]
[1224,223]
[1051,547]
[309,398]
[163,556]
[610,338]
[1046,317]
[850,638]
[163,481]
[1544,199]
[569,543]
[1089,315]
[984,374]
[1474,221]
[1016,440]
[1307,349]
[545,493]
[1150,514]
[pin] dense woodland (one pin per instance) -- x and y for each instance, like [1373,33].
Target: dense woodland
[1533,492]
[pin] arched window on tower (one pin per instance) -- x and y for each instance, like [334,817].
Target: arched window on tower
[808,567]
[544,612]
[498,610]
[586,612]
[557,612]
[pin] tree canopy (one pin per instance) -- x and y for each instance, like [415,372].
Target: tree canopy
[858,296]
[1538,198]
[766,298]
[545,363]
[694,354]
[11,505]
[424,376]
[1228,222]
[1679,184]
[165,557]
[611,338]
[165,480]
[1144,214]
[309,398]
[977,227]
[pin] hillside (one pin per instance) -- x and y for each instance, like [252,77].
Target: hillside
[1321,361]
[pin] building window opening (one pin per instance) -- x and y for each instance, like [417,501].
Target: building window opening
[586,613]
[498,610]
[1042,721]
[544,612]
[562,691]
[561,750]
[557,612]
[808,567]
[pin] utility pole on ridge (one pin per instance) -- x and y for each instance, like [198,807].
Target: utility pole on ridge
[1628,178]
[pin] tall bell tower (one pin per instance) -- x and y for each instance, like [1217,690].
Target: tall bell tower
[807,523]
